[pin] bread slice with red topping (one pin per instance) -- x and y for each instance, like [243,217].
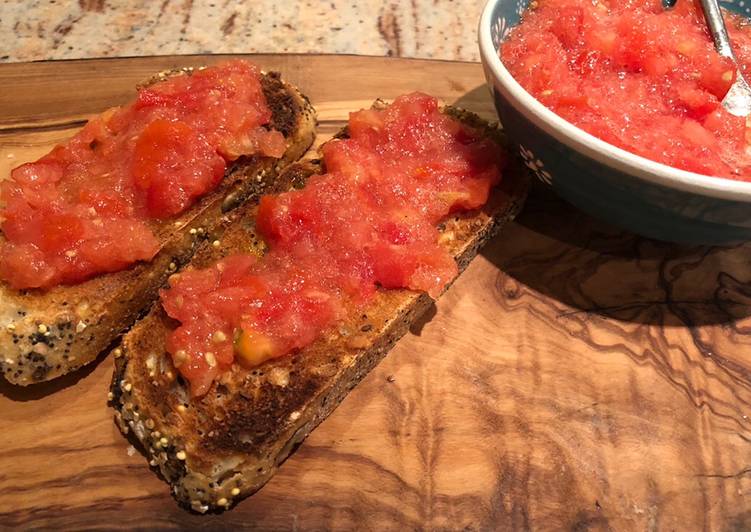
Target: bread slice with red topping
[219,448]
[48,333]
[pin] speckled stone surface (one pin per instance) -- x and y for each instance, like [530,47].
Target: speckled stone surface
[67,29]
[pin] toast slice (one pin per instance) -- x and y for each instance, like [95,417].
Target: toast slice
[224,446]
[45,334]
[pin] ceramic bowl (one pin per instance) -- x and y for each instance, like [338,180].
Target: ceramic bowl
[638,194]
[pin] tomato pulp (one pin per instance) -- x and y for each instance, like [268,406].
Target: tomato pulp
[90,205]
[369,221]
[638,76]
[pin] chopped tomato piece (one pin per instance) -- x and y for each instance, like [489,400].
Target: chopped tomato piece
[25,264]
[253,349]
[165,148]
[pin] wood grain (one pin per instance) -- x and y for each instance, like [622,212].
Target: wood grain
[575,377]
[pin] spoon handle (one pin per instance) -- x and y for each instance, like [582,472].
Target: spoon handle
[716,23]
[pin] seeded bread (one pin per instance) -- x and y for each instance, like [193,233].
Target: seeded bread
[220,448]
[45,334]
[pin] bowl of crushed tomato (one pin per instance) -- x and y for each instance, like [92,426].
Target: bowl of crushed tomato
[617,107]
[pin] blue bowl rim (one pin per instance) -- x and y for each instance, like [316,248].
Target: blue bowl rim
[593,147]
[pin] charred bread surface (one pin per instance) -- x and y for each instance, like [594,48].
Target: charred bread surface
[48,333]
[222,447]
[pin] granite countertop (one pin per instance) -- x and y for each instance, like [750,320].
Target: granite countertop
[67,29]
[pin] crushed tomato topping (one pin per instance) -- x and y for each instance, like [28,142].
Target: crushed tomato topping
[638,76]
[370,221]
[91,205]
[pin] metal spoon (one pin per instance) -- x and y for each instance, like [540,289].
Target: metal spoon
[738,99]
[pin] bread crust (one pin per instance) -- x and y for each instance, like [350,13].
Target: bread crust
[47,333]
[222,447]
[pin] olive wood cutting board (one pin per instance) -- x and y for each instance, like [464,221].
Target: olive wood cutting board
[575,377]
